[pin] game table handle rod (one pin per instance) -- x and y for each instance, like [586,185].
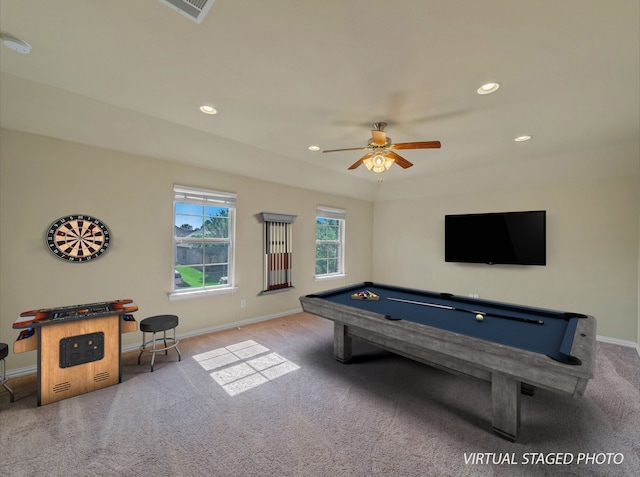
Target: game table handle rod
[484,313]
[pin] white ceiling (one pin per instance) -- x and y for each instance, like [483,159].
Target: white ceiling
[285,74]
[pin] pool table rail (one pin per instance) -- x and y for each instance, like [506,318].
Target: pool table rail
[505,367]
[451,350]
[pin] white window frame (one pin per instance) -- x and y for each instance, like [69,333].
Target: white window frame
[191,195]
[340,215]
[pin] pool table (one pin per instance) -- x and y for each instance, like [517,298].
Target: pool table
[515,348]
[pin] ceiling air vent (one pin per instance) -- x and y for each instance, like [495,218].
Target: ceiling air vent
[193,9]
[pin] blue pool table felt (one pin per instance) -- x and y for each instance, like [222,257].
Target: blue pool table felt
[553,338]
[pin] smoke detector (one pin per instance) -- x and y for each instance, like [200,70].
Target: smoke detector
[193,9]
[16,44]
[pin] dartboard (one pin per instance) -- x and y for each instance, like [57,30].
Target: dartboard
[78,238]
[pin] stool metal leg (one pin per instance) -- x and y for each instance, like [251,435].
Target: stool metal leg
[166,351]
[3,380]
[141,347]
[175,345]
[153,353]
[152,341]
[155,350]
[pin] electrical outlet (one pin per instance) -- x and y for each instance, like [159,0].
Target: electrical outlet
[243,303]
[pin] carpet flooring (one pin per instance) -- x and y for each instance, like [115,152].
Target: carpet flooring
[268,399]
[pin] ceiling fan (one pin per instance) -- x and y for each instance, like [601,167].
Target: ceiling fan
[381,155]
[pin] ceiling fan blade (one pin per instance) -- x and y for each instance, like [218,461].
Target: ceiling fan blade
[379,137]
[401,161]
[357,164]
[348,149]
[417,145]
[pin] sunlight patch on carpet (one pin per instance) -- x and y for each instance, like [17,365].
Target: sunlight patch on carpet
[243,366]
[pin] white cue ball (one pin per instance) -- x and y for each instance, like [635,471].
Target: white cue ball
[479,317]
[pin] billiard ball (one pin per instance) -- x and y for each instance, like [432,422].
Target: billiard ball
[479,317]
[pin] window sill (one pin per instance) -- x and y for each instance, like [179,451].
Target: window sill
[335,276]
[184,295]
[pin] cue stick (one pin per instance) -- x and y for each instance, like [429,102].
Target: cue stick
[483,313]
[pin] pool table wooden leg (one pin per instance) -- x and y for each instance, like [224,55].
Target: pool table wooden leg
[341,343]
[505,406]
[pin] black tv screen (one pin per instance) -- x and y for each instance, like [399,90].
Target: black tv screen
[517,238]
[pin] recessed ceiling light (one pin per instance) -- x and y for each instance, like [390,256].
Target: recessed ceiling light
[207,109]
[314,148]
[522,138]
[16,44]
[488,88]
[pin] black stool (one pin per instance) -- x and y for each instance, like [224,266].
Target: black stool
[4,351]
[156,324]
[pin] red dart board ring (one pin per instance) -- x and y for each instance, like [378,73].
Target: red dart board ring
[78,238]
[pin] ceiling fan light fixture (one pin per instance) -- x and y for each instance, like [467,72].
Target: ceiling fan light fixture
[388,163]
[378,159]
[488,88]
[378,163]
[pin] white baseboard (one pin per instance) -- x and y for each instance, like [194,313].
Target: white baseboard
[227,326]
[616,341]
[14,373]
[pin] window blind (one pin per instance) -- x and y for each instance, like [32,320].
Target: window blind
[330,213]
[201,196]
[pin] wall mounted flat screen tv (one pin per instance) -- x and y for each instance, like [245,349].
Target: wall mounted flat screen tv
[516,238]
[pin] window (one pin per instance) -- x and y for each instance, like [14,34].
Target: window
[203,237]
[329,242]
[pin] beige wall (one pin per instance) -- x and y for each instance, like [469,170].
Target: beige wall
[42,179]
[592,202]
[592,236]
